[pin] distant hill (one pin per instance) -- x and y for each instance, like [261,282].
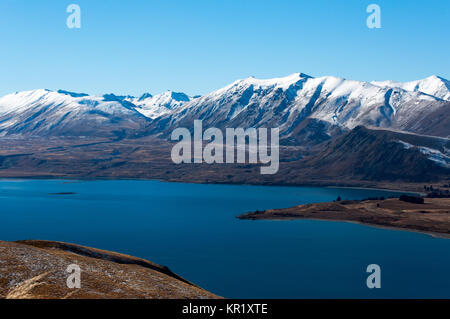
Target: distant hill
[369,154]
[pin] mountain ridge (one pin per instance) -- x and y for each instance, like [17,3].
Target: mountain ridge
[336,103]
[308,110]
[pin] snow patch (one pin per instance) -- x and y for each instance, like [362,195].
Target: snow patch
[432,154]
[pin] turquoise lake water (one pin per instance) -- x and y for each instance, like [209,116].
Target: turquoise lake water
[192,229]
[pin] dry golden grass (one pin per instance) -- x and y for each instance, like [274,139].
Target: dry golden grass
[432,217]
[37,270]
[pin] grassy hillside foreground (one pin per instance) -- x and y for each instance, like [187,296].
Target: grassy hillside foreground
[37,270]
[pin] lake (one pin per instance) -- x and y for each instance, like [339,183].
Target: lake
[192,229]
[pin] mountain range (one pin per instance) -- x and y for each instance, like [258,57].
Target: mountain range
[322,115]
[305,108]
[311,110]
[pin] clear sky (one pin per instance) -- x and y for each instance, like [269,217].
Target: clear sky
[196,46]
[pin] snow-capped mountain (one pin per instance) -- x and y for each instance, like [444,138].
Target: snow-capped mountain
[63,113]
[159,105]
[48,113]
[300,104]
[433,85]
[306,109]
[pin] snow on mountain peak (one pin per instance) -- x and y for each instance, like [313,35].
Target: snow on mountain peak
[171,95]
[144,96]
[72,94]
[432,85]
[288,102]
[160,104]
[21,100]
[44,112]
[282,82]
[283,102]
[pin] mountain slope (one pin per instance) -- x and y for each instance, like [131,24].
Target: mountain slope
[307,110]
[435,122]
[328,105]
[433,85]
[37,270]
[46,113]
[382,155]
[158,105]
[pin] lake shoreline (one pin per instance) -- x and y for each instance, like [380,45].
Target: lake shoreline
[377,186]
[431,218]
[193,229]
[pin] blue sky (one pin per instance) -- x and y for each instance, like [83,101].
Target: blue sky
[196,46]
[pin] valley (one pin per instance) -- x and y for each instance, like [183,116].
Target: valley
[360,158]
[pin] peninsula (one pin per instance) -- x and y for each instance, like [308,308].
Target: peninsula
[432,216]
